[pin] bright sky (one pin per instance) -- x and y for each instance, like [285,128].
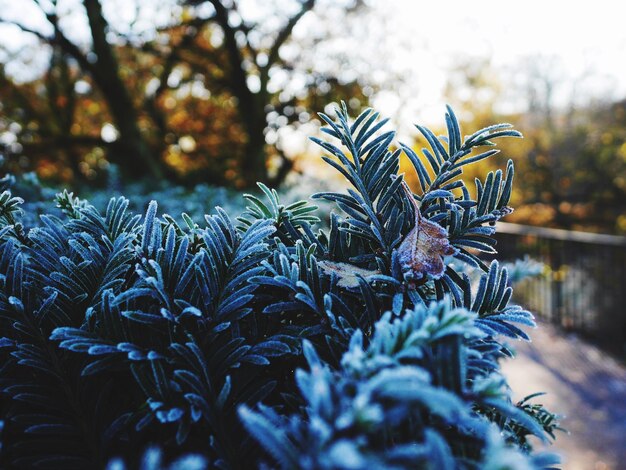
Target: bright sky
[583,42]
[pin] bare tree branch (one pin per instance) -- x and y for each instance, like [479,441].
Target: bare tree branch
[240,86]
[58,39]
[26,29]
[283,35]
[170,61]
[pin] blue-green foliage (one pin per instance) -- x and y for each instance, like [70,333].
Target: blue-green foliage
[267,341]
[385,407]
[173,199]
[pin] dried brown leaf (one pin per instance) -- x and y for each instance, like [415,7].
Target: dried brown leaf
[422,250]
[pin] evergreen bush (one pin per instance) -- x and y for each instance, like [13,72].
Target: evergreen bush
[142,342]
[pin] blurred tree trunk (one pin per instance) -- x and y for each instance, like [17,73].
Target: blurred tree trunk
[133,152]
[254,165]
[252,105]
[62,102]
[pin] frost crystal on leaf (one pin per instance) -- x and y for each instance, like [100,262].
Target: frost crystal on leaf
[347,273]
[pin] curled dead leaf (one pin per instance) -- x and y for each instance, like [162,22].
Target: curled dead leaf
[421,252]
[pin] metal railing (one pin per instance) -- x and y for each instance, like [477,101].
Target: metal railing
[583,285]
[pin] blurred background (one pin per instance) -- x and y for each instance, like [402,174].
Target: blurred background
[192,101]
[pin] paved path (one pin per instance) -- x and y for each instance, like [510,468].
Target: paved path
[583,384]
